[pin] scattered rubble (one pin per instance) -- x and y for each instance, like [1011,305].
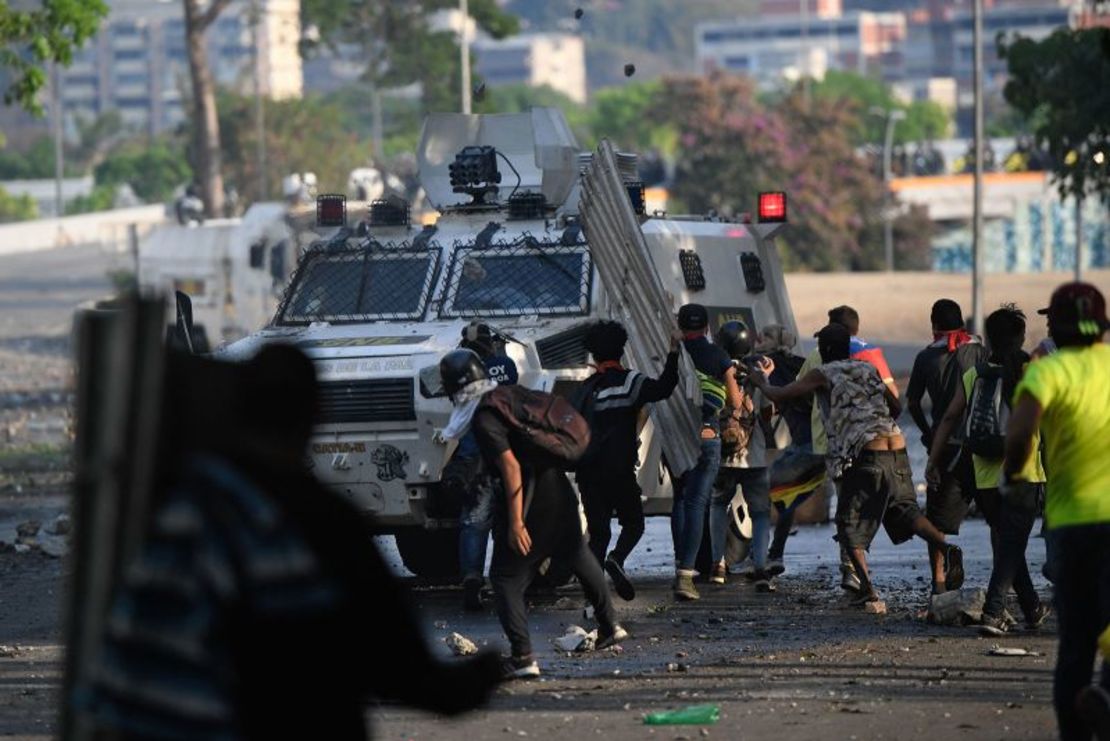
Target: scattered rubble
[460,645]
[958,607]
[576,640]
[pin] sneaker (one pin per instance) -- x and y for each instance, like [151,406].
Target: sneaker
[621,584]
[1093,704]
[763,582]
[1038,618]
[719,574]
[849,582]
[862,598]
[605,641]
[745,568]
[472,595]
[775,567]
[519,667]
[993,626]
[953,567]
[684,589]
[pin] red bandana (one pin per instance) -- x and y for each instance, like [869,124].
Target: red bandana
[955,337]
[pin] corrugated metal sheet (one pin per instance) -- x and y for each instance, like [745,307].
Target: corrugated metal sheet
[633,287]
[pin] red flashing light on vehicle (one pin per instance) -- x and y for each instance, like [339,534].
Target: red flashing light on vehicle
[331,210]
[772,207]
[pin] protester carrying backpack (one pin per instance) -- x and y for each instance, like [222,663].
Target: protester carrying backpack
[981,408]
[531,438]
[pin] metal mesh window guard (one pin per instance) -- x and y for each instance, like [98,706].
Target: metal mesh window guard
[522,278]
[360,284]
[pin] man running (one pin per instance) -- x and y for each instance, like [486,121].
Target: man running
[611,400]
[1067,396]
[866,453]
[938,371]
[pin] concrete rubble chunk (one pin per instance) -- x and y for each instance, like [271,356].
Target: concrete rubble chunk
[28,529]
[61,525]
[460,645]
[576,640]
[877,607]
[958,607]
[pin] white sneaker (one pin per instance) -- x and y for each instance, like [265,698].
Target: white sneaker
[519,668]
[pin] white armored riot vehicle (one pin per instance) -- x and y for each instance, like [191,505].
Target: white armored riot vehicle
[377,306]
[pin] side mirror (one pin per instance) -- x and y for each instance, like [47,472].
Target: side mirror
[183,326]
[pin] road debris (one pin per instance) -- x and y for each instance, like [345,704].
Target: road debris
[460,645]
[694,715]
[1010,651]
[958,607]
[576,640]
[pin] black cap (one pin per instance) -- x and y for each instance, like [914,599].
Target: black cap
[1078,308]
[692,317]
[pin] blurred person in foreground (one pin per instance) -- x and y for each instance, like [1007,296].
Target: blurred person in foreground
[612,400]
[258,606]
[981,408]
[866,454]
[938,371]
[1067,396]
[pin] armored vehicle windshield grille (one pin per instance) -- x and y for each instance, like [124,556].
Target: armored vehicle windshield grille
[564,350]
[373,400]
[526,277]
[364,283]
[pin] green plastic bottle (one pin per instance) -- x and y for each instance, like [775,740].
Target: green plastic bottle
[695,715]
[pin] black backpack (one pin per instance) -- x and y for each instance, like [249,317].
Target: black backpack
[988,411]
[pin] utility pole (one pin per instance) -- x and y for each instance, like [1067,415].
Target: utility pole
[59,150]
[893,116]
[977,189]
[259,102]
[464,53]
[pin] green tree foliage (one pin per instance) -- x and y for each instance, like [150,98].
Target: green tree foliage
[32,39]
[924,119]
[626,115]
[1061,85]
[153,171]
[731,146]
[102,198]
[36,163]
[301,136]
[397,44]
[16,208]
[520,98]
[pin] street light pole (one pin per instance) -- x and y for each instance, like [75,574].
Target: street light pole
[893,116]
[464,53]
[977,189]
[259,103]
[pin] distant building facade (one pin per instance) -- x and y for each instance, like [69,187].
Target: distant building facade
[775,48]
[557,60]
[137,64]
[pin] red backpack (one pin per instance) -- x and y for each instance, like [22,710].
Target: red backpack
[551,429]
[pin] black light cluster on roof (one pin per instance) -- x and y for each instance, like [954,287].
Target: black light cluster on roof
[475,173]
[527,204]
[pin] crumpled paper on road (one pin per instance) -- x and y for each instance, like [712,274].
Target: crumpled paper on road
[576,640]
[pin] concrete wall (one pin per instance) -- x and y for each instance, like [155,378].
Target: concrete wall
[106,228]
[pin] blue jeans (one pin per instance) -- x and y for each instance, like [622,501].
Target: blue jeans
[1082,555]
[688,514]
[755,483]
[475,522]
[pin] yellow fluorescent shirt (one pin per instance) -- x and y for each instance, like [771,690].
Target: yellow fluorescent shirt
[988,471]
[1073,388]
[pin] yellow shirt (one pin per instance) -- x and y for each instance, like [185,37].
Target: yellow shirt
[1073,388]
[816,422]
[988,471]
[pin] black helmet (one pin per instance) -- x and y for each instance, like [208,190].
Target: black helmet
[735,339]
[478,336]
[692,317]
[460,368]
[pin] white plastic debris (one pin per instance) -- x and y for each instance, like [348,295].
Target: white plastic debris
[958,607]
[1009,651]
[576,640]
[460,645]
